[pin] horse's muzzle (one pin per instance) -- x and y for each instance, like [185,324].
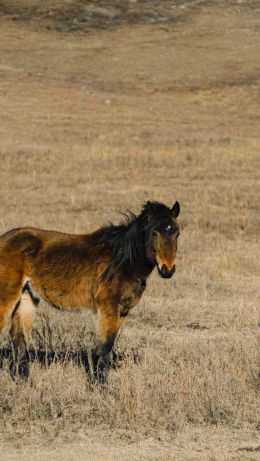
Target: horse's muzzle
[165,272]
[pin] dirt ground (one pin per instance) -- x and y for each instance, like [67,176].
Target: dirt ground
[105,105]
[192,445]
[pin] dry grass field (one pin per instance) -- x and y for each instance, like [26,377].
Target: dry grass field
[105,105]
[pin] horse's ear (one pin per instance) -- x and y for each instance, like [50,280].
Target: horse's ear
[176,209]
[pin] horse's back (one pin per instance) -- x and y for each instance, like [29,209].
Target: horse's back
[32,232]
[29,240]
[21,247]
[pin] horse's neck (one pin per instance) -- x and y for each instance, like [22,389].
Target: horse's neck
[141,267]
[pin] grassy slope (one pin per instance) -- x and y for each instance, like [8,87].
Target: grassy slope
[93,123]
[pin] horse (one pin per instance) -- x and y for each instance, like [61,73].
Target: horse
[105,270]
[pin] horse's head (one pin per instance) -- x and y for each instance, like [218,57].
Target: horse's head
[164,232]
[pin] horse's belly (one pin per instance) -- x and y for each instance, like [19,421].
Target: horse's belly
[68,301]
[64,297]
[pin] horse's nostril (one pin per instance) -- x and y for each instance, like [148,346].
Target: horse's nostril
[164,269]
[165,272]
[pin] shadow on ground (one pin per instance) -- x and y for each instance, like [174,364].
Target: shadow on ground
[85,359]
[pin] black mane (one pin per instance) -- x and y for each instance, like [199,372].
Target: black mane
[129,239]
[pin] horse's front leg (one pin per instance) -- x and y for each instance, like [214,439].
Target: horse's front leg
[109,322]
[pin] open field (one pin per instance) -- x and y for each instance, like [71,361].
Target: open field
[104,107]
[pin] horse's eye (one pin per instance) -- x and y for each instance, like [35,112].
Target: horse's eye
[168,228]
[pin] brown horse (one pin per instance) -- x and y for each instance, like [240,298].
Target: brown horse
[105,270]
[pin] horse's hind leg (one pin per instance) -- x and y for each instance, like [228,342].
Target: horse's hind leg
[10,294]
[22,320]
[6,309]
[11,282]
